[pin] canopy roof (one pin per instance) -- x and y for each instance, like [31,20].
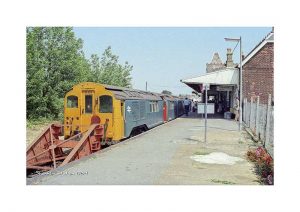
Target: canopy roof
[227,76]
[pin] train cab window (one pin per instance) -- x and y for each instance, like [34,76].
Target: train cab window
[72,102]
[106,104]
[88,103]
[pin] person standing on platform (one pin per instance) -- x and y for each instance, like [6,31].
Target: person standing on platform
[237,109]
[186,103]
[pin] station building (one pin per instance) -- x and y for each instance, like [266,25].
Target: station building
[258,71]
[258,76]
[223,79]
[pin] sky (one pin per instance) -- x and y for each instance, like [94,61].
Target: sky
[163,56]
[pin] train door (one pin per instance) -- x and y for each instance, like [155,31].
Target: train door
[72,114]
[87,109]
[165,111]
[105,111]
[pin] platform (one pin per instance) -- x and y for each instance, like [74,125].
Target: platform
[164,155]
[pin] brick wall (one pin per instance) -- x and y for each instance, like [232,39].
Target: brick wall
[258,74]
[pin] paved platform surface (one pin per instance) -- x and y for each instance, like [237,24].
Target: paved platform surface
[164,155]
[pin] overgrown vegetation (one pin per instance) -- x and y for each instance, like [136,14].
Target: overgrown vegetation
[55,62]
[264,165]
[32,123]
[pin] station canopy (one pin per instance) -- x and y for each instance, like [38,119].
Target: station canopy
[227,76]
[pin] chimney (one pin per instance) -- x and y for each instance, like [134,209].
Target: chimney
[229,61]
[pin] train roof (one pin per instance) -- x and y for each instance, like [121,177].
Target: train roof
[129,93]
[168,97]
[123,93]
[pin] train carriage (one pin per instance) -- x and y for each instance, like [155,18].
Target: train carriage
[142,113]
[180,107]
[125,111]
[170,107]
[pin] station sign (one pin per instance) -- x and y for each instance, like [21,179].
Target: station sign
[204,86]
[224,88]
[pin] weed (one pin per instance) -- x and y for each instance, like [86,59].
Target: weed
[224,182]
[201,153]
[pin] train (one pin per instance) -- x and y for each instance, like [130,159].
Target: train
[124,111]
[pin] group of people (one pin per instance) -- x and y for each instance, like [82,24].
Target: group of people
[222,108]
[188,105]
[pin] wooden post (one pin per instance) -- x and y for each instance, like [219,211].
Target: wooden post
[268,121]
[251,112]
[257,117]
[246,111]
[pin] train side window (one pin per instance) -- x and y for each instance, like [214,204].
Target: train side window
[122,109]
[155,107]
[150,107]
[72,102]
[88,103]
[106,104]
[172,105]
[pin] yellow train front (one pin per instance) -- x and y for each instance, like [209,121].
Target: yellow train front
[125,111]
[89,100]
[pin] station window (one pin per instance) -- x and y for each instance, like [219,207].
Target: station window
[88,103]
[106,104]
[72,102]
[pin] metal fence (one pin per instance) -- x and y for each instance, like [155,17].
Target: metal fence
[259,118]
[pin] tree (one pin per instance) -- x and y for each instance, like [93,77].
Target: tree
[107,70]
[54,63]
[95,68]
[166,92]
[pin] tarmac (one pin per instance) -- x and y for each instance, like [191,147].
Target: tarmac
[174,153]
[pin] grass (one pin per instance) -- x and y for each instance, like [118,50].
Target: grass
[33,123]
[224,182]
[35,126]
[201,153]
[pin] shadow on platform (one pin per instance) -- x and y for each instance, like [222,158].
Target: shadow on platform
[193,115]
[227,124]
